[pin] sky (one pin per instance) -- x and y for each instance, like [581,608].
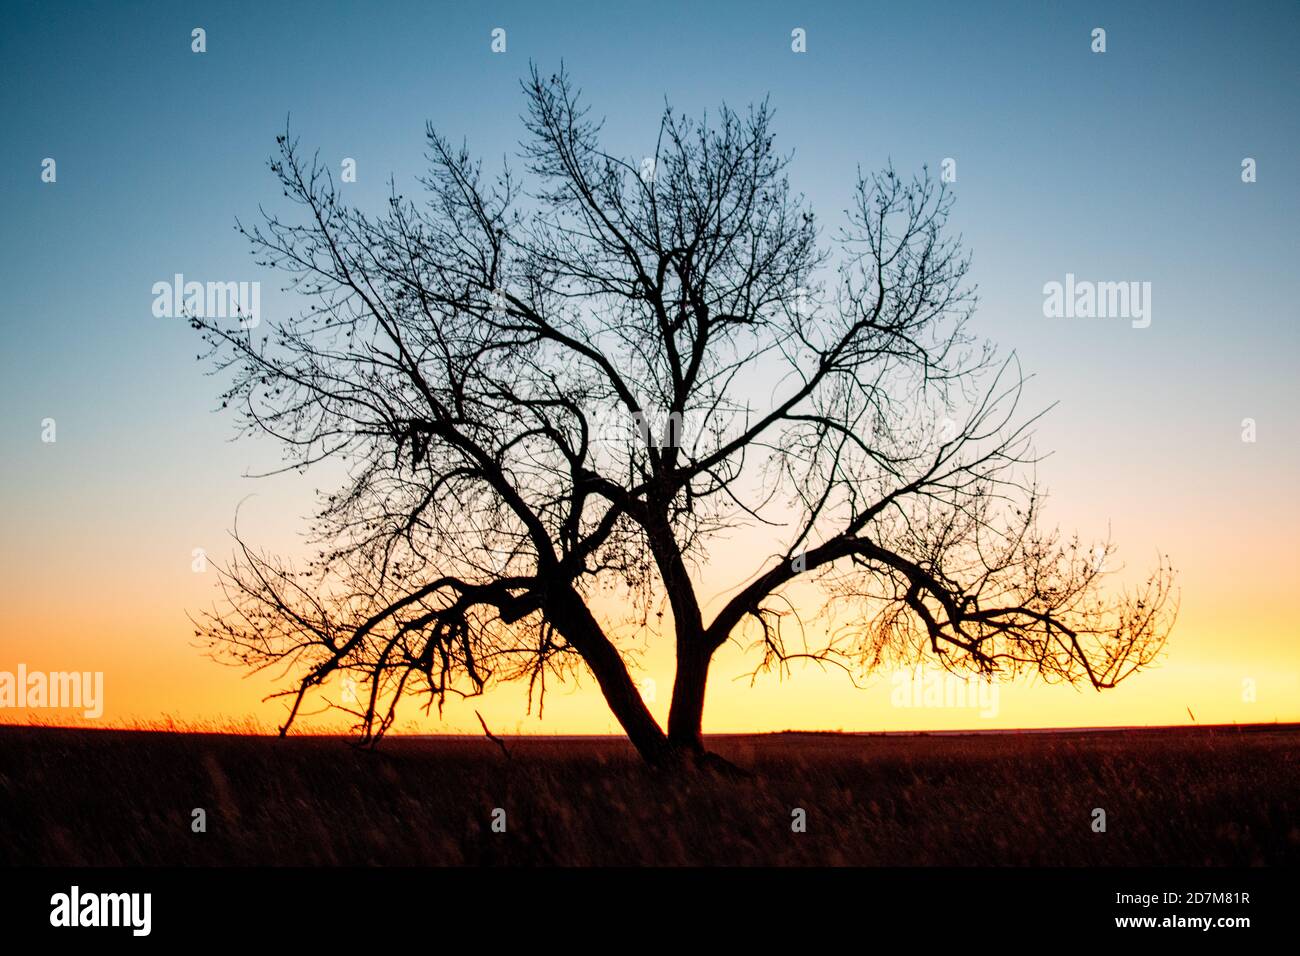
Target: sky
[1122,165]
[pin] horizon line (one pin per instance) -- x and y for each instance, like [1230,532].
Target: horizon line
[962,732]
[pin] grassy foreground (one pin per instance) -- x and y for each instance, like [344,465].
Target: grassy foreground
[1202,796]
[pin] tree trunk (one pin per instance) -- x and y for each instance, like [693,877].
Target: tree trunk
[571,616]
[625,701]
[687,711]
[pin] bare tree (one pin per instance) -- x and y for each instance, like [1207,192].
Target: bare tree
[543,390]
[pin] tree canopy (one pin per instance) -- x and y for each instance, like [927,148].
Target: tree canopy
[574,376]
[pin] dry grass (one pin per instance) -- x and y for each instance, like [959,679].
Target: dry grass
[1198,796]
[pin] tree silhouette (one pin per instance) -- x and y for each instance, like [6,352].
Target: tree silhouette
[546,390]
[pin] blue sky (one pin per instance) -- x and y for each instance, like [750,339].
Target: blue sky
[1116,166]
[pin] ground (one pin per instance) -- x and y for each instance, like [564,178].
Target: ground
[1199,796]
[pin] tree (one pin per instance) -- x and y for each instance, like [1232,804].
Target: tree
[542,394]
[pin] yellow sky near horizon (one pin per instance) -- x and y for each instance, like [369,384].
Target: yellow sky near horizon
[1228,659]
[96,575]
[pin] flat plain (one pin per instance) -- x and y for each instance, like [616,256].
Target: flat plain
[1213,796]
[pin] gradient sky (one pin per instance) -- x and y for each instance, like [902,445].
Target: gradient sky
[1116,166]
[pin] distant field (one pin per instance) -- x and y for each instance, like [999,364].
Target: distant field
[1197,796]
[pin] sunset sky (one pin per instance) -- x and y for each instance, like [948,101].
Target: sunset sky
[1112,167]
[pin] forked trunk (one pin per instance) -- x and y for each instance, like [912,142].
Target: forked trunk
[683,744]
[682,748]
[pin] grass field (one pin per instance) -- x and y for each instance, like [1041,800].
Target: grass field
[1202,796]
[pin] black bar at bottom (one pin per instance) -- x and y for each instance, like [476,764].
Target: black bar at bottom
[382,905]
